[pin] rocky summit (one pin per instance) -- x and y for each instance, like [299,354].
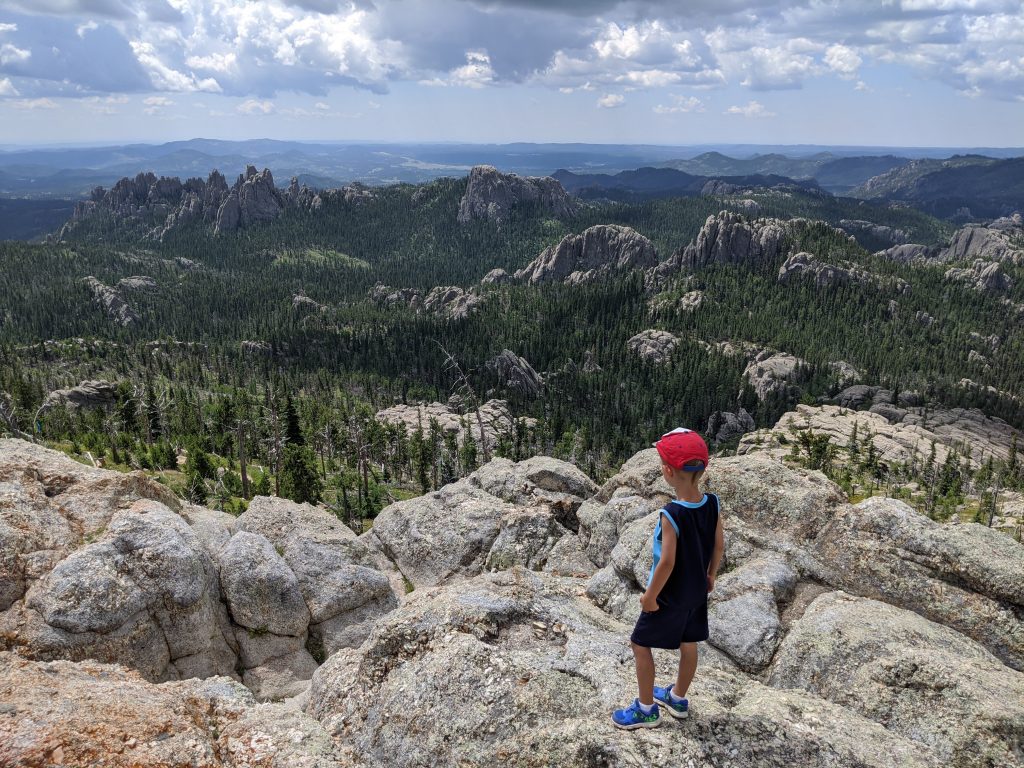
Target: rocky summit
[596,252]
[841,634]
[492,195]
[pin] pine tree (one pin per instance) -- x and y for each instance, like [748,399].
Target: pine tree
[300,480]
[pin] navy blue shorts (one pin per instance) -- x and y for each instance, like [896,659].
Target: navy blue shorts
[670,627]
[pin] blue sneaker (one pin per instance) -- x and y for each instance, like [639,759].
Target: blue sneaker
[634,717]
[678,709]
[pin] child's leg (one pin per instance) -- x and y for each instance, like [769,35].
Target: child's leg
[687,668]
[644,673]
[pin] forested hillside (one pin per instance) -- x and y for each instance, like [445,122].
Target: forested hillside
[261,358]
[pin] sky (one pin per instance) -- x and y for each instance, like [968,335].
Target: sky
[852,72]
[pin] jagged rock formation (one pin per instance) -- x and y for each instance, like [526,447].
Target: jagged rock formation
[909,253]
[877,231]
[991,243]
[492,195]
[729,238]
[302,302]
[114,567]
[654,346]
[138,283]
[450,301]
[453,302]
[496,417]
[901,432]
[111,301]
[497,276]
[724,426]
[516,373]
[88,394]
[135,203]
[982,276]
[770,372]
[593,254]
[806,265]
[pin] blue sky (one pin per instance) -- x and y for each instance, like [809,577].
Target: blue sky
[885,72]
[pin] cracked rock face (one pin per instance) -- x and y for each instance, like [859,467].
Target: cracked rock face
[113,567]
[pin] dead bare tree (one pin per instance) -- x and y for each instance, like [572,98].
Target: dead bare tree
[469,395]
[10,419]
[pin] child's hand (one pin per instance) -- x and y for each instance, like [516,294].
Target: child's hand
[649,602]
[711,583]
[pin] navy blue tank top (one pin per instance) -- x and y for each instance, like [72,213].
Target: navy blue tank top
[695,524]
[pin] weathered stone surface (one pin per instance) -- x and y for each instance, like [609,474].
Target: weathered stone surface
[88,394]
[654,346]
[261,591]
[730,238]
[495,416]
[899,434]
[724,426]
[918,679]
[281,677]
[808,266]
[967,577]
[909,253]
[492,195]
[594,253]
[542,668]
[984,276]
[878,231]
[503,514]
[497,276]
[62,713]
[452,302]
[992,243]
[112,302]
[515,373]
[92,568]
[769,372]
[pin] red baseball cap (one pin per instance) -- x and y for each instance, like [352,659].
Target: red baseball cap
[681,445]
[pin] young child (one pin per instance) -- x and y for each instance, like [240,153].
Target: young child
[688,544]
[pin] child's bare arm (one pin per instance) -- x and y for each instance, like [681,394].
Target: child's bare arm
[649,599]
[716,554]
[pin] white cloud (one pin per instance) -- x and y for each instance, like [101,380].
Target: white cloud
[154,105]
[611,101]
[29,104]
[166,78]
[7,88]
[255,107]
[476,73]
[215,62]
[645,55]
[10,54]
[7,27]
[751,109]
[862,86]
[680,104]
[321,106]
[104,105]
[843,60]
[83,29]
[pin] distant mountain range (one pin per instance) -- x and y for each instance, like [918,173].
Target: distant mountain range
[647,183]
[74,171]
[965,187]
